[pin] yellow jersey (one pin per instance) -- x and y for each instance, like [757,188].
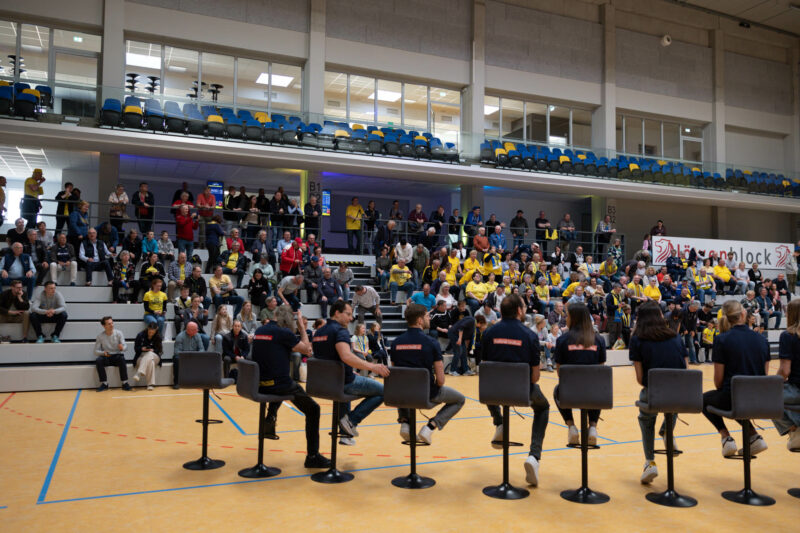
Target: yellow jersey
[478,290]
[155,301]
[636,288]
[709,334]
[399,275]
[353,215]
[233,259]
[491,286]
[653,293]
[543,292]
[723,273]
[452,272]
[570,290]
[33,188]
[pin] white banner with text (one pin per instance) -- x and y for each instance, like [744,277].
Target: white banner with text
[769,255]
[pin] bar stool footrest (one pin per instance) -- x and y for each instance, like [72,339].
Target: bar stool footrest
[204,463]
[413,481]
[210,421]
[506,491]
[585,495]
[259,471]
[675,453]
[510,443]
[670,498]
[417,443]
[794,492]
[588,446]
[747,497]
[738,457]
[332,476]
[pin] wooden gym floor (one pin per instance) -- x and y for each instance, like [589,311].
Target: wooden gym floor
[79,460]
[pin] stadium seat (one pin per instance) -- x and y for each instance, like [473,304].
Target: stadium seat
[174,118]
[359,140]
[195,121]
[25,105]
[375,142]
[235,127]
[153,115]
[452,152]
[215,126]
[132,117]
[421,148]
[406,145]
[7,98]
[342,140]
[290,130]
[326,137]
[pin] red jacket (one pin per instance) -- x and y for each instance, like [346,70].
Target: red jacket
[229,244]
[291,259]
[185,226]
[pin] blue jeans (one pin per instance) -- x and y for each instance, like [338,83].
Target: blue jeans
[369,389]
[766,315]
[186,246]
[791,395]
[384,280]
[294,302]
[519,240]
[701,294]
[407,287]
[354,241]
[688,341]
[205,339]
[156,319]
[647,423]
[239,275]
[233,299]
[473,304]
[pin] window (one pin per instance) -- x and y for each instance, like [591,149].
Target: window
[362,102]
[143,59]
[180,74]
[445,114]
[655,138]
[415,107]
[8,47]
[692,150]
[620,138]
[217,74]
[335,95]
[652,138]
[77,41]
[672,140]
[512,126]
[34,52]
[559,125]
[581,127]
[536,122]
[491,116]
[286,95]
[633,135]
[250,93]
[389,102]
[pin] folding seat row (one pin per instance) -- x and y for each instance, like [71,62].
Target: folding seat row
[20,100]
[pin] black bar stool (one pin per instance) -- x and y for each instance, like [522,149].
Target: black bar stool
[409,388]
[584,387]
[203,370]
[672,391]
[326,380]
[793,407]
[751,397]
[247,387]
[505,384]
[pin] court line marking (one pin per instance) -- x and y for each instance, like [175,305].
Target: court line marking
[6,400]
[57,454]
[229,417]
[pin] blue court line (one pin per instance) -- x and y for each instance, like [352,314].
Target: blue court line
[229,417]
[54,462]
[278,478]
[4,507]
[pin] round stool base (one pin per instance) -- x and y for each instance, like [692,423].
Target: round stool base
[332,476]
[585,495]
[413,481]
[747,497]
[258,471]
[204,463]
[794,492]
[505,491]
[670,498]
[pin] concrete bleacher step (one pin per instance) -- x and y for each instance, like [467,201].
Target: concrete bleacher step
[82,330]
[66,352]
[68,377]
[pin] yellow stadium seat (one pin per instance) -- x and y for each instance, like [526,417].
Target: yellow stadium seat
[358,127]
[379,133]
[661,162]
[509,146]
[4,83]
[341,133]
[262,117]
[748,172]
[500,151]
[695,169]
[215,118]
[581,156]
[420,138]
[563,159]
[133,109]
[34,92]
[633,166]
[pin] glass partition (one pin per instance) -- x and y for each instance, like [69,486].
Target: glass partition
[217,73]
[180,73]
[8,47]
[415,106]
[34,53]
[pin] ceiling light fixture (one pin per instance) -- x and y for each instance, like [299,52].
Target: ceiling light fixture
[489,109]
[385,96]
[277,80]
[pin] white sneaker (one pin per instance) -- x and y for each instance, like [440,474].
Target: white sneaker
[347,441]
[347,427]
[425,434]
[497,440]
[137,377]
[592,436]
[532,471]
[150,387]
[757,444]
[728,446]
[794,440]
[650,472]
[573,435]
[405,432]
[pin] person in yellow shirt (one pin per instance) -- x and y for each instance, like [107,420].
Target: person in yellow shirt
[724,277]
[636,292]
[470,266]
[709,334]
[543,293]
[353,216]
[30,205]
[155,308]
[515,275]
[705,285]
[570,290]
[476,292]
[608,273]
[554,281]
[452,267]
[491,284]
[400,279]
[652,292]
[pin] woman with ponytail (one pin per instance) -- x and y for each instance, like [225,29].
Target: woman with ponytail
[789,353]
[738,351]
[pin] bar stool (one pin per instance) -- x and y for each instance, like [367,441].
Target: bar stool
[751,397]
[326,380]
[247,387]
[793,407]
[584,387]
[506,385]
[409,388]
[672,391]
[203,370]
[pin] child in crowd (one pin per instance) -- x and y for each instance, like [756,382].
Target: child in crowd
[709,334]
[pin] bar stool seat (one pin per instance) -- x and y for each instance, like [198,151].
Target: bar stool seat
[410,388]
[326,380]
[506,385]
[247,387]
[672,391]
[584,387]
[203,370]
[752,397]
[796,408]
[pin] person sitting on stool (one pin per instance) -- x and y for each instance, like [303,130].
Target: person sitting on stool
[273,345]
[789,353]
[109,349]
[415,349]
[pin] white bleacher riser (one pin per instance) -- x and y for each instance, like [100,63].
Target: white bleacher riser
[66,352]
[86,330]
[36,378]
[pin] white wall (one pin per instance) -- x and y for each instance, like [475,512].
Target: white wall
[635,218]
[754,149]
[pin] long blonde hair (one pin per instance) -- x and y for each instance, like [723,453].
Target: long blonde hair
[793,317]
[731,315]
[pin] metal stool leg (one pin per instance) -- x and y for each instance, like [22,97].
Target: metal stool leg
[747,496]
[204,463]
[670,498]
[260,469]
[333,475]
[505,491]
[413,480]
[584,494]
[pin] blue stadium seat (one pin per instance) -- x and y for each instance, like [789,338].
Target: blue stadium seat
[174,119]
[7,98]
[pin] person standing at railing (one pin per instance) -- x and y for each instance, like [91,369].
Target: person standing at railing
[277,209]
[78,225]
[385,236]
[473,222]
[437,221]
[603,234]
[312,211]
[30,205]
[416,223]
[181,201]
[143,201]
[454,224]
[294,217]
[519,229]
[251,221]
[230,206]
[177,195]
[214,236]
[119,203]
[371,217]
[65,206]
[498,240]
[353,217]
[206,202]
[566,232]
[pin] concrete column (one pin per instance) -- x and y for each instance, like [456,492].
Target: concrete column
[472,96]
[107,179]
[719,222]
[314,71]
[113,59]
[604,134]
[714,134]
[792,142]
[471,195]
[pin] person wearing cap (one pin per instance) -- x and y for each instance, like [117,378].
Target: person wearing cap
[474,221]
[30,205]
[313,275]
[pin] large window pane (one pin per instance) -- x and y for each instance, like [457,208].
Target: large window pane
[491,116]
[336,95]
[286,89]
[76,85]
[559,125]
[536,122]
[143,59]
[512,127]
[180,71]
[77,40]
[389,94]
[251,87]
[445,122]
[362,104]
[672,140]
[581,127]
[415,107]
[652,138]
[34,52]
[217,75]
[692,150]
[8,46]
[633,135]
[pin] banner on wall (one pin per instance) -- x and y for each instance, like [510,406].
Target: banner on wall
[218,190]
[769,255]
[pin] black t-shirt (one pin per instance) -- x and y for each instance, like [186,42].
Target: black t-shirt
[440,320]
[414,349]
[743,352]
[509,341]
[272,348]
[790,349]
[324,345]
[670,353]
[570,353]
[540,230]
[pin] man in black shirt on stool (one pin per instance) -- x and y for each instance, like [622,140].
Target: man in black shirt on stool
[415,349]
[273,345]
[509,341]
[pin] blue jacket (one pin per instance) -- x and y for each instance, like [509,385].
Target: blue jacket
[498,240]
[78,225]
[9,258]
[114,239]
[472,219]
[214,233]
[149,246]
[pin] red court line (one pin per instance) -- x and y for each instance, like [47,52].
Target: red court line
[6,400]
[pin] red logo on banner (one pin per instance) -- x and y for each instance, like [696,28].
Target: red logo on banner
[661,249]
[784,253]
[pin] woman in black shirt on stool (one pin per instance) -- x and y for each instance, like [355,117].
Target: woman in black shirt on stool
[580,346]
[789,353]
[653,345]
[738,351]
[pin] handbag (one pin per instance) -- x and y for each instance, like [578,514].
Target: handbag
[550,235]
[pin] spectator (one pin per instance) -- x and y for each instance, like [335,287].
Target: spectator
[231,209]
[151,270]
[454,227]
[706,286]
[292,259]
[18,266]
[198,314]
[214,236]
[252,221]
[259,288]
[78,227]
[38,255]
[443,295]
[603,234]
[143,202]
[416,223]
[366,300]
[288,290]
[742,279]
[460,334]
[767,309]
[353,217]
[278,209]
[266,269]
[234,237]
[118,201]
[223,291]
[313,214]
[423,298]
[15,307]
[487,312]
[724,278]
[62,259]
[542,226]
[285,243]
[566,232]
[688,330]
[359,343]
[328,290]
[643,256]
[474,221]
[147,352]
[383,265]
[385,235]
[109,348]
[403,250]
[155,305]
[480,242]
[182,194]
[197,285]
[710,333]
[179,271]
[576,259]
[220,326]
[267,312]
[261,247]
[344,277]
[235,344]
[755,276]
[420,258]
[65,206]
[312,275]
[3,183]
[149,244]
[124,278]
[109,235]
[187,340]
[133,244]
[17,234]
[48,308]
[206,203]
[44,235]
[400,279]
[497,239]
[185,224]
[519,229]
[437,220]
[30,205]
[180,304]
[475,292]
[781,287]
[658,230]
[234,263]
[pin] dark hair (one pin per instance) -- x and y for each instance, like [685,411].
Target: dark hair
[68,184]
[651,325]
[511,306]
[152,325]
[105,319]
[480,319]
[414,312]
[15,282]
[339,307]
[48,283]
[579,321]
